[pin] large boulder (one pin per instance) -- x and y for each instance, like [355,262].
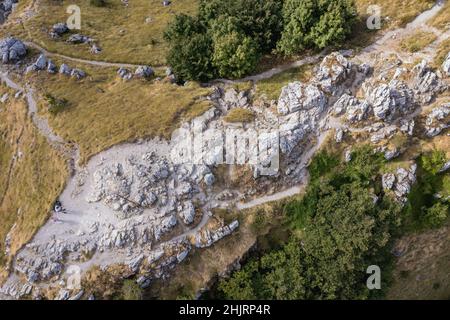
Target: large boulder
[297,96]
[12,50]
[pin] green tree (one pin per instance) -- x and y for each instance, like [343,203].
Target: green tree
[315,24]
[343,231]
[183,27]
[190,58]
[235,55]
[131,290]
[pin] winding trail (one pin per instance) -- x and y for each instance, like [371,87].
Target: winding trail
[97,63]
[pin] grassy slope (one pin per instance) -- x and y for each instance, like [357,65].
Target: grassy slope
[442,20]
[122,32]
[104,110]
[35,181]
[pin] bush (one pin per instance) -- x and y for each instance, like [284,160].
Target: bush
[437,215]
[235,55]
[190,58]
[55,105]
[131,290]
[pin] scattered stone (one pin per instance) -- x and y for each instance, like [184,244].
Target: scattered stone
[445,167]
[41,62]
[348,156]
[78,38]
[78,74]
[144,72]
[95,49]
[407,127]
[4,98]
[339,135]
[58,30]
[65,69]
[206,238]
[51,67]
[124,73]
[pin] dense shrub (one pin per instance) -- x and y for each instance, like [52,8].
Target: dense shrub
[98,3]
[239,32]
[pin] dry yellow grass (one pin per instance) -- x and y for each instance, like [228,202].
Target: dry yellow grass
[422,272]
[417,41]
[441,53]
[400,12]
[122,32]
[442,19]
[103,110]
[239,115]
[31,183]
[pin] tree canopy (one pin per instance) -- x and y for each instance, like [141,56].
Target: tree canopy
[346,228]
[238,32]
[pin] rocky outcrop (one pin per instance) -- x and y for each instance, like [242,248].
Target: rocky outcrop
[206,238]
[354,109]
[389,101]
[332,72]
[438,120]
[400,182]
[298,96]
[12,50]
[427,84]
[230,99]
